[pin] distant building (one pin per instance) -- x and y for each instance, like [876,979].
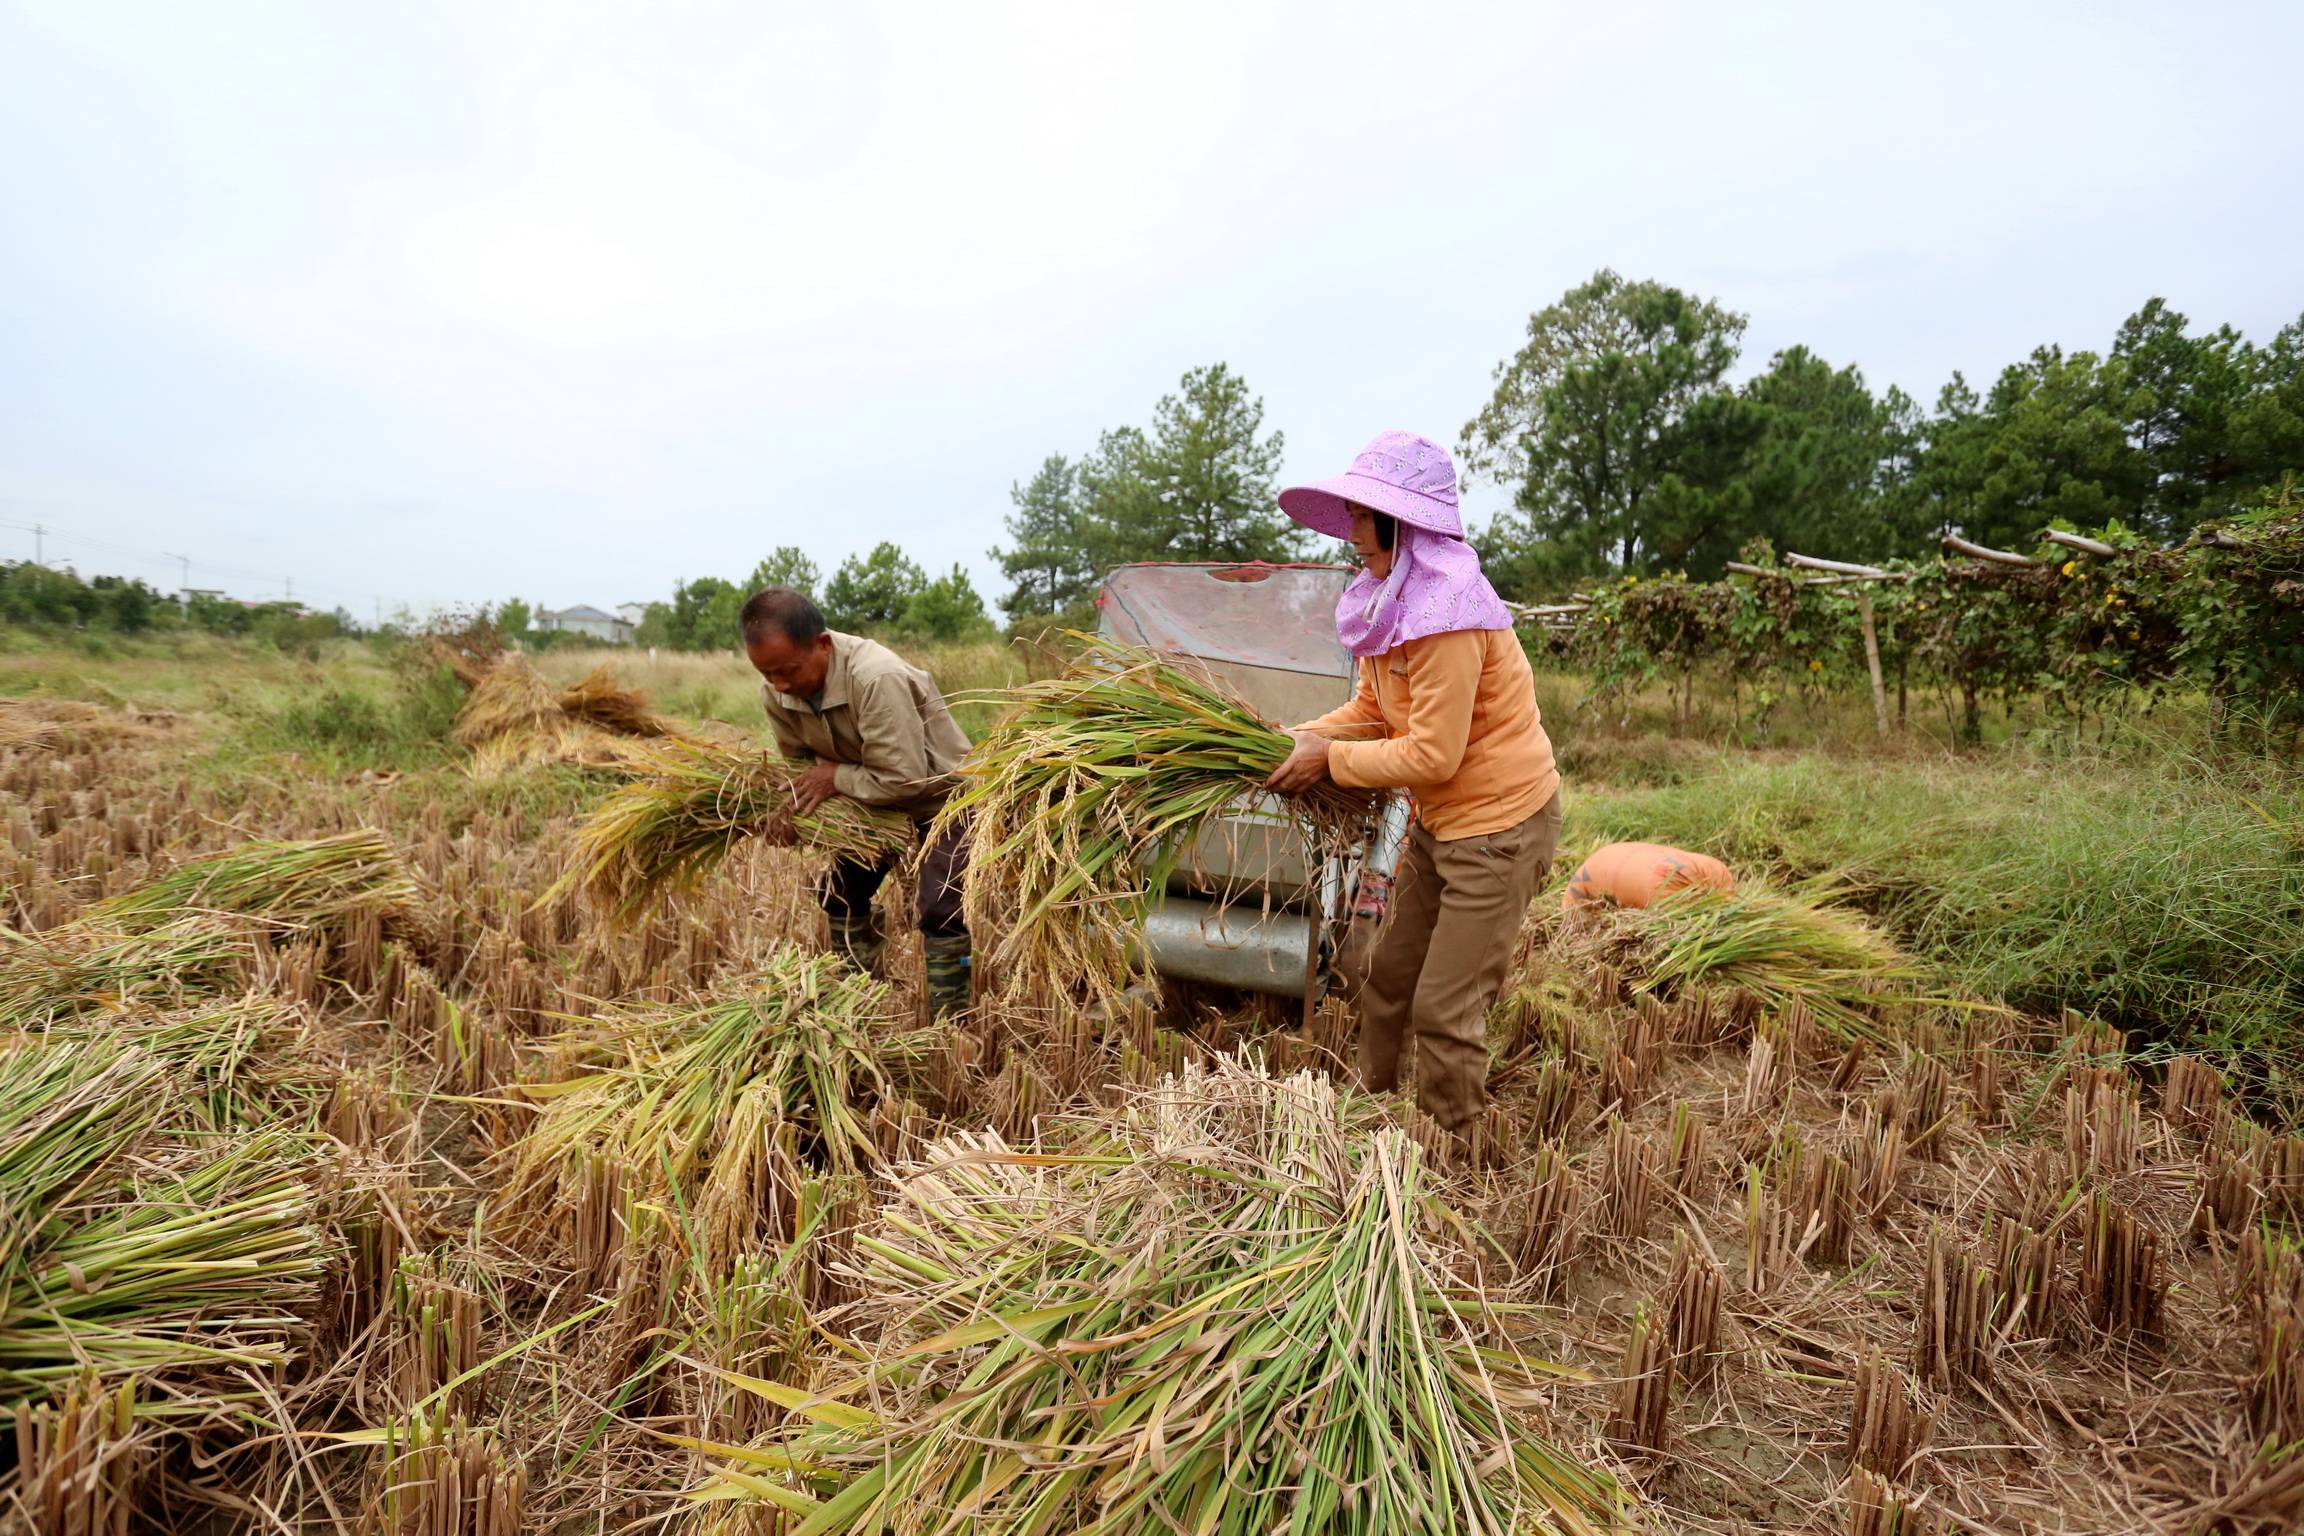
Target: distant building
[583,619]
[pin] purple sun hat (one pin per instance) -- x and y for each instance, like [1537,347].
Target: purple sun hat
[1409,477]
[1434,585]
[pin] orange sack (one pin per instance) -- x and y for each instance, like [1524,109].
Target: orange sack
[1635,874]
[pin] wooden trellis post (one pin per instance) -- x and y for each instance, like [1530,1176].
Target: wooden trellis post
[1863,576]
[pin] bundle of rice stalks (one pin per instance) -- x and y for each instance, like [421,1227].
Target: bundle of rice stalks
[50,977]
[620,711]
[1080,801]
[510,699]
[123,1248]
[805,1044]
[195,930]
[513,719]
[244,1063]
[692,803]
[1780,947]
[310,884]
[1224,1315]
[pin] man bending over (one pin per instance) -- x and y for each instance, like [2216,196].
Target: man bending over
[875,728]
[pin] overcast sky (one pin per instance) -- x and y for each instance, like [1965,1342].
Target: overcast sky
[447,302]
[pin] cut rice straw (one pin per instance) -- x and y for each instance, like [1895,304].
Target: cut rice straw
[1780,947]
[1226,1316]
[693,802]
[805,1042]
[601,701]
[124,1247]
[1080,801]
[285,884]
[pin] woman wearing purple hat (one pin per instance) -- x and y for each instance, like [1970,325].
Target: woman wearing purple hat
[1445,707]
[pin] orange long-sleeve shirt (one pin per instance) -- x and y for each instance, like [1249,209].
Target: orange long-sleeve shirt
[1460,727]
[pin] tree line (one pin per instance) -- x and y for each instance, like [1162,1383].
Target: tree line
[1628,451]
[1625,446]
[57,597]
[883,592]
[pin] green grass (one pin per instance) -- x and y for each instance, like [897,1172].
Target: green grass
[2146,886]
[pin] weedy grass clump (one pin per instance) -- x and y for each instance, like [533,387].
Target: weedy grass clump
[1080,800]
[1226,1313]
[691,803]
[800,1050]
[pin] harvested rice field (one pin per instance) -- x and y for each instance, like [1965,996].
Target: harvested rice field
[379,1154]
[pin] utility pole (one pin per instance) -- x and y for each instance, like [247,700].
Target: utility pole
[291,582]
[184,585]
[39,545]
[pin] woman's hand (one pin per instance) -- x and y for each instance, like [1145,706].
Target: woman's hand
[1306,768]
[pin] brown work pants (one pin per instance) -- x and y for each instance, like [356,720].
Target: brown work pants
[1456,908]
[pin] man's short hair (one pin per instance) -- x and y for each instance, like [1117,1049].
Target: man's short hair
[789,613]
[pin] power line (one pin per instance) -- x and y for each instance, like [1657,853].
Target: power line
[155,559]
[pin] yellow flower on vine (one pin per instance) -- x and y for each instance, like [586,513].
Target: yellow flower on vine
[1814,665]
[2071,567]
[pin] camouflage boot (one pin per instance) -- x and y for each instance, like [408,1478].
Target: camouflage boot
[858,939]
[946,960]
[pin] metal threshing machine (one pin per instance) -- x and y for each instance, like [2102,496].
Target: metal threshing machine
[1250,906]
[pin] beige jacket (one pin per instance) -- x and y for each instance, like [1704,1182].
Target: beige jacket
[882,720]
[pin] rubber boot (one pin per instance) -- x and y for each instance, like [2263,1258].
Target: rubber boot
[945,958]
[858,939]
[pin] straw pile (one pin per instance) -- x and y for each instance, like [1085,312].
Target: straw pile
[1226,1315]
[621,711]
[692,803]
[1081,799]
[192,932]
[125,1247]
[514,718]
[469,650]
[798,1054]
[1778,946]
[37,722]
